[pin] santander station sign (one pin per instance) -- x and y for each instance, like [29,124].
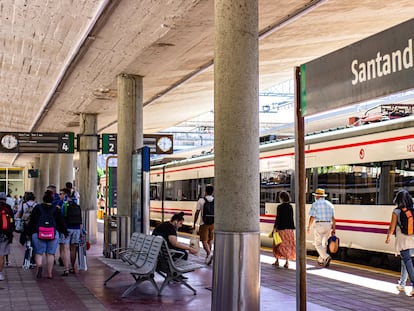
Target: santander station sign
[379,65]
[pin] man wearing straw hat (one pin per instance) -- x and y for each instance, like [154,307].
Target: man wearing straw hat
[323,217]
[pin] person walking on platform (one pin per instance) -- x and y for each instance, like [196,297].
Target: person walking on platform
[72,216]
[404,243]
[205,206]
[168,230]
[322,216]
[285,226]
[404,274]
[43,215]
[74,195]
[6,231]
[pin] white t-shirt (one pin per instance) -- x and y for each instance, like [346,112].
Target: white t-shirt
[200,205]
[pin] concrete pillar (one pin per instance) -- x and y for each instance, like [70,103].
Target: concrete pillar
[54,170]
[36,182]
[87,174]
[43,174]
[66,168]
[130,138]
[236,278]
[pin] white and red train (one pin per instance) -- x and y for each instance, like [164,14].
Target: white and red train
[361,168]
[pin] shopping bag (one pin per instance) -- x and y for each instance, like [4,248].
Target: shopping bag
[82,260]
[27,256]
[333,244]
[195,243]
[277,238]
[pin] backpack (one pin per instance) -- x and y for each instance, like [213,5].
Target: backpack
[46,225]
[73,214]
[208,212]
[6,219]
[27,211]
[73,196]
[407,221]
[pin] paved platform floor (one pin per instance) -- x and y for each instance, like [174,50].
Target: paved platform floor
[340,287]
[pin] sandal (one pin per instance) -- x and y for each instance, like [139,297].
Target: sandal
[286,265]
[276,263]
[65,273]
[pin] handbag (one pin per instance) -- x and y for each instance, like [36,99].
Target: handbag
[18,225]
[46,233]
[333,244]
[195,243]
[276,238]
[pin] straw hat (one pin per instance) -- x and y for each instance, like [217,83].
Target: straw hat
[320,192]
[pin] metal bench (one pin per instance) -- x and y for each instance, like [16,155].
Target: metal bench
[141,263]
[124,254]
[174,270]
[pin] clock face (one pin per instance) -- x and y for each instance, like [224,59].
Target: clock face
[9,141]
[164,143]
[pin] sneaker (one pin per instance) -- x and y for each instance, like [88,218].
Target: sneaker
[209,259]
[1,276]
[39,273]
[327,261]
[401,288]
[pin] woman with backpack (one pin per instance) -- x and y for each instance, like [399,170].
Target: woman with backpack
[404,241]
[45,223]
[23,213]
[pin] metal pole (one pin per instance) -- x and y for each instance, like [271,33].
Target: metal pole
[300,199]
[162,193]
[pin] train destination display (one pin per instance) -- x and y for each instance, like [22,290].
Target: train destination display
[15,142]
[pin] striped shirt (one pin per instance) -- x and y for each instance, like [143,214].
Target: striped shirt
[322,210]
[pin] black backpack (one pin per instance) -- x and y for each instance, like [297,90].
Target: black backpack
[6,219]
[208,212]
[74,214]
[47,218]
[407,221]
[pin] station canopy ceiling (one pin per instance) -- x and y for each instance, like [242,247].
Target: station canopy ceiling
[60,59]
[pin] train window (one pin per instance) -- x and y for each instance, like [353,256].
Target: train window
[365,184]
[272,182]
[180,190]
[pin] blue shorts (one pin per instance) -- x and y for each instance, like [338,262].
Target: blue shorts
[4,248]
[44,246]
[73,237]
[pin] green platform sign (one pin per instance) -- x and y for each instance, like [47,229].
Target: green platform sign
[157,143]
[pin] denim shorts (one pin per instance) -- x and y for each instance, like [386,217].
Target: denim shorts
[44,246]
[4,248]
[73,237]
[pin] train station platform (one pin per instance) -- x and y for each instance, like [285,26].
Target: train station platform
[340,287]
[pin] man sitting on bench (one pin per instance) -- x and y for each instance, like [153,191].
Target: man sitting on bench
[168,230]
